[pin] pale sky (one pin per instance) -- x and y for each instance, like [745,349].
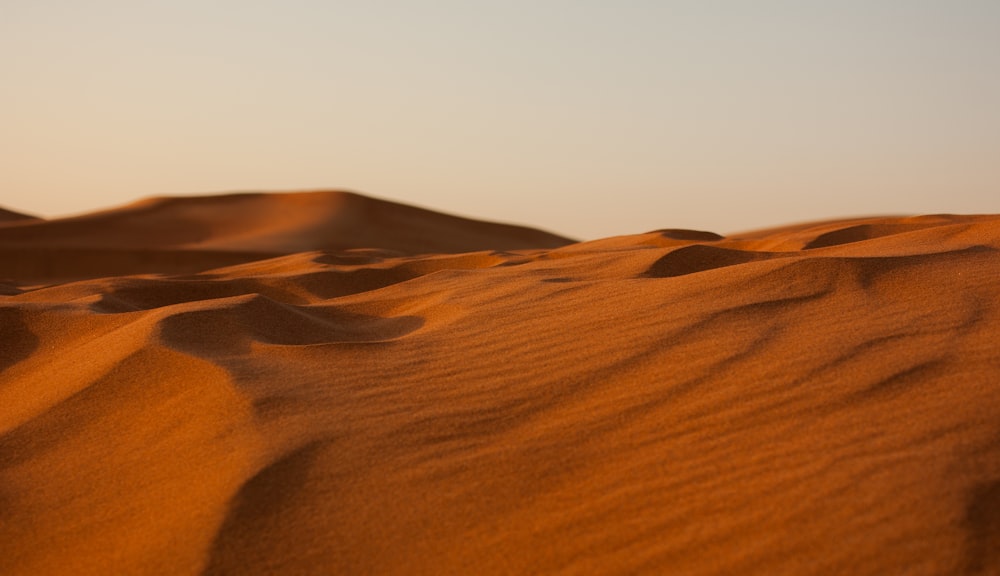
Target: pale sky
[588,118]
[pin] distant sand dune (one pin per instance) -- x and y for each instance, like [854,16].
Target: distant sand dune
[192,234]
[7,217]
[322,383]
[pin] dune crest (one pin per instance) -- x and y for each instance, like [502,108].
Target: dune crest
[325,383]
[178,235]
[8,216]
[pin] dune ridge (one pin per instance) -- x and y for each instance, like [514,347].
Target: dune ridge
[9,216]
[180,235]
[815,399]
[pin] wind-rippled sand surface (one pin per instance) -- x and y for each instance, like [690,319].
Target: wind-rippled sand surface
[324,383]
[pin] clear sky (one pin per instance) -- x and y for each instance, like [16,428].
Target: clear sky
[589,118]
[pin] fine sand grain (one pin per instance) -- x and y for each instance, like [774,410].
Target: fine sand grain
[325,383]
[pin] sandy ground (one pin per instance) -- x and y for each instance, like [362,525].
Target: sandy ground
[324,383]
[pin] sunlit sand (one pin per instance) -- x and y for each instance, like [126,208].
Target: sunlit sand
[326,383]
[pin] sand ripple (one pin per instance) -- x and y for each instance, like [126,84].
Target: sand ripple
[237,385]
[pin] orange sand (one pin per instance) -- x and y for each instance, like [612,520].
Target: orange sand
[323,383]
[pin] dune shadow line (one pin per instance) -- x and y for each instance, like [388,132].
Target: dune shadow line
[17,342]
[256,525]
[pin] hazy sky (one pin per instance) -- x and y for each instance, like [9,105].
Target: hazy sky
[588,118]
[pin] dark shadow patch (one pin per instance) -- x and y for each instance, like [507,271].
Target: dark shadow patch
[17,341]
[866,232]
[841,236]
[66,263]
[692,235]
[356,257]
[147,294]
[900,382]
[230,329]
[982,517]
[327,284]
[699,258]
[259,510]
[870,269]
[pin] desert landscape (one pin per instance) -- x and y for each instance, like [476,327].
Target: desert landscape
[328,383]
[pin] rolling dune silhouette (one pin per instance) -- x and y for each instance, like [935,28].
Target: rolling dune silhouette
[324,383]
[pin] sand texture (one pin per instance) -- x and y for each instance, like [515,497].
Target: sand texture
[324,383]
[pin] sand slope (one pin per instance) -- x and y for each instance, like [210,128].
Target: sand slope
[191,234]
[9,216]
[819,399]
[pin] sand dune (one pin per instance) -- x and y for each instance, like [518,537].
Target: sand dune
[8,216]
[815,399]
[192,234]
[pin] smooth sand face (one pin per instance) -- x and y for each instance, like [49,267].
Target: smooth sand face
[282,385]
